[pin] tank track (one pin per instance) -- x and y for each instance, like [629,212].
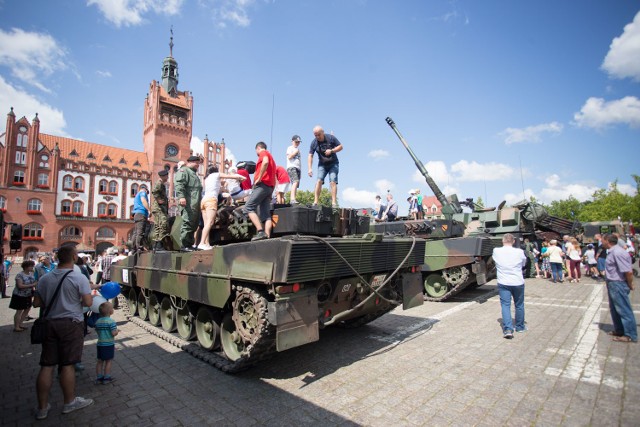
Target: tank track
[262,349]
[453,291]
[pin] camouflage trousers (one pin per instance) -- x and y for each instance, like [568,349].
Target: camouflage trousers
[190,220]
[160,225]
[531,264]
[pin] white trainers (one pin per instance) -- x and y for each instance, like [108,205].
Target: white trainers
[77,403]
[204,247]
[42,414]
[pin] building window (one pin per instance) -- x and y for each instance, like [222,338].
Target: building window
[23,139]
[32,231]
[43,180]
[77,208]
[112,209]
[78,184]
[71,231]
[105,233]
[34,205]
[3,203]
[67,182]
[44,161]
[102,186]
[21,157]
[113,187]
[18,178]
[65,207]
[134,190]
[102,209]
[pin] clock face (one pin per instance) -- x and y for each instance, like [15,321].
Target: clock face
[172,151]
[23,129]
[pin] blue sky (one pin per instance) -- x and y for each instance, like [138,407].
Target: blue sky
[493,96]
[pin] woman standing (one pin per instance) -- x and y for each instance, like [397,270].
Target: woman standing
[22,295]
[555,254]
[575,257]
[546,266]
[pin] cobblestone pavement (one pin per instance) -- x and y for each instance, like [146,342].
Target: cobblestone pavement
[439,364]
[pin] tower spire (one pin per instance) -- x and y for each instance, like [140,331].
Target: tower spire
[170,71]
[171,43]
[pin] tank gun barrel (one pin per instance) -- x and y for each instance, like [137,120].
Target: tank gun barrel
[432,184]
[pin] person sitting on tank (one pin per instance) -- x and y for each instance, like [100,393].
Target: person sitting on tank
[209,204]
[391,211]
[235,187]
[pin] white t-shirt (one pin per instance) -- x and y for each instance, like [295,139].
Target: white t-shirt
[509,262]
[211,186]
[294,162]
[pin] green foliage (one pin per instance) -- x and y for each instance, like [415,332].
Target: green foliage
[305,197]
[479,203]
[568,209]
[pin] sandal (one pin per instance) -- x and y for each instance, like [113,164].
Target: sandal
[19,330]
[622,338]
[614,334]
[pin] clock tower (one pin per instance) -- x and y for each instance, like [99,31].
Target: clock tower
[168,115]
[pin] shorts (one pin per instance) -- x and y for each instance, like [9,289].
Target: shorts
[63,342]
[294,175]
[237,194]
[20,303]
[106,352]
[260,201]
[331,169]
[601,264]
[283,188]
[209,204]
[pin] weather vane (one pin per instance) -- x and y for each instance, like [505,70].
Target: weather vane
[171,43]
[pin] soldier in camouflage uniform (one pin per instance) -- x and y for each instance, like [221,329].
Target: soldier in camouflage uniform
[188,192]
[160,212]
[531,269]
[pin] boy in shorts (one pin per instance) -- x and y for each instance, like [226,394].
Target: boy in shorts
[106,329]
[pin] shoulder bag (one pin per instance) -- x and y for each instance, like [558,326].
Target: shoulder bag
[39,328]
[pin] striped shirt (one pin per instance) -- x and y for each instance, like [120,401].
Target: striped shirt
[104,328]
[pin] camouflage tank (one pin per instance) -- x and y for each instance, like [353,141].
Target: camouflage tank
[452,260]
[245,300]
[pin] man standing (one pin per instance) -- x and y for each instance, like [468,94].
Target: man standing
[509,263]
[326,146]
[140,217]
[64,339]
[188,192]
[294,166]
[160,212]
[619,278]
[44,266]
[264,180]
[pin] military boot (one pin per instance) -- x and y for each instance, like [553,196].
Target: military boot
[158,246]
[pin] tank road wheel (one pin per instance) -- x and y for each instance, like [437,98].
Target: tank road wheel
[207,329]
[232,343]
[154,309]
[132,301]
[167,315]
[435,286]
[185,323]
[143,308]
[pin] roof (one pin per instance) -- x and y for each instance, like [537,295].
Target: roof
[91,152]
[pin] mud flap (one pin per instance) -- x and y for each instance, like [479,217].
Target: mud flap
[296,321]
[480,270]
[412,290]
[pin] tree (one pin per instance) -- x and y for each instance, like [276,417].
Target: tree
[568,209]
[611,204]
[479,203]
[305,197]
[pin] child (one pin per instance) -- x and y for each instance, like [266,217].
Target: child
[106,329]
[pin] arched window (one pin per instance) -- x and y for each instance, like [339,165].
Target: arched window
[67,182]
[102,186]
[18,177]
[102,209]
[66,207]
[113,187]
[32,229]
[105,233]
[77,207]
[34,205]
[71,231]
[43,180]
[78,184]
[44,161]
[134,190]
[112,208]
[3,203]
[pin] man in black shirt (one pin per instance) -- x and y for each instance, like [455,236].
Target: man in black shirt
[326,146]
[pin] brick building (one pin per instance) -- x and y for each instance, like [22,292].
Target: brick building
[67,191]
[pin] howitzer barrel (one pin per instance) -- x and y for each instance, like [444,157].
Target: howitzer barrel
[432,184]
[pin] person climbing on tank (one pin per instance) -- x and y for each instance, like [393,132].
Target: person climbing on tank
[188,190]
[160,212]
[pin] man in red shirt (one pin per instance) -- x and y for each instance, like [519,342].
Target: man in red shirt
[264,180]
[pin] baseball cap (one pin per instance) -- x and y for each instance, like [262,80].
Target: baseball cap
[296,138]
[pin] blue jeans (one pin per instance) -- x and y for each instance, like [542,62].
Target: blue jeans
[624,321]
[331,169]
[556,271]
[517,293]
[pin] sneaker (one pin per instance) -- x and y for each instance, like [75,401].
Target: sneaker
[77,403]
[41,414]
[521,331]
[98,381]
[293,202]
[108,380]
[260,236]
[79,367]
[508,335]
[204,247]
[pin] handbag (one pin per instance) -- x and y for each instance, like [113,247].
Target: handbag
[39,328]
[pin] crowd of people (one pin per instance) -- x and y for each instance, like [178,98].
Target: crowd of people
[384,211]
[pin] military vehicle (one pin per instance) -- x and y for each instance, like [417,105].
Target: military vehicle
[245,300]
[590,229]
[452,261]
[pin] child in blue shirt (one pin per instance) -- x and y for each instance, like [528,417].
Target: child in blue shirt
[106,329]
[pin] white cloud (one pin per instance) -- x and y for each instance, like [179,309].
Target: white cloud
[627,189]
[24,104]
[105,73]
[378,154]
[130,12]
[474,171]
[31,56]
[556,189]
[234,12]
[597,113]
[384,185]
[512,198]
[436,170]
[530,133]
[357,198]
[623,58]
